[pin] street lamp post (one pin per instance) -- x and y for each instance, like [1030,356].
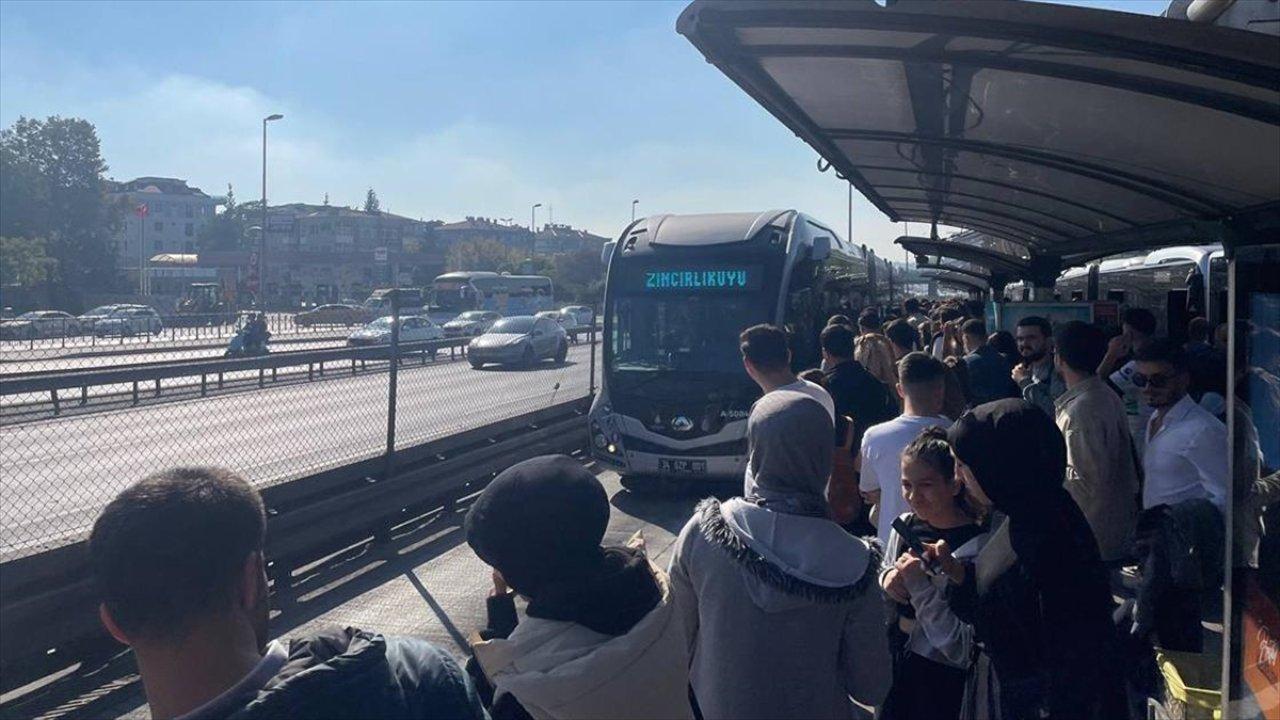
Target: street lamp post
[262,241]
[633,209]
[533,232]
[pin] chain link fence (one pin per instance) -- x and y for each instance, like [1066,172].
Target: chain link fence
[61,462]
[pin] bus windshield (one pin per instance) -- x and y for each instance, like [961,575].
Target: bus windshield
[453,295]
[686,333]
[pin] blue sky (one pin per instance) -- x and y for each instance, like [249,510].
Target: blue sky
[445,109]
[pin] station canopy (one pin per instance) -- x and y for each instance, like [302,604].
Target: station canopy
[1067,133]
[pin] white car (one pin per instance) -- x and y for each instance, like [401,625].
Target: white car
[39,324]
[582,315]
[414,328]
[129,320]
[471,323]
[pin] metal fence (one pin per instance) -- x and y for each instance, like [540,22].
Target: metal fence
[295,412]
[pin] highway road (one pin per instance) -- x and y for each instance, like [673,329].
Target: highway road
[105,360]
[56,474]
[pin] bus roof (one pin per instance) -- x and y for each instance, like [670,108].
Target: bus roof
[710,228]
[967,124]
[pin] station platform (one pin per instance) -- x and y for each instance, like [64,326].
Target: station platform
[423,582]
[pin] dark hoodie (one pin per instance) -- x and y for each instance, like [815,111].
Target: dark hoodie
[1038,594]
[780,605]
[351,673]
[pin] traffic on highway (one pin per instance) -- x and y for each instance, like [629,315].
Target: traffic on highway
[927,367]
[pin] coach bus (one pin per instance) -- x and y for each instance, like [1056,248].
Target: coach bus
[674,396]
[457,292]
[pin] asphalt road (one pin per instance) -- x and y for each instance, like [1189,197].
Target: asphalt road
[56,474]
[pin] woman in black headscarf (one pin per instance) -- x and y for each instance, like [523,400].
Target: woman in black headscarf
[1037,594]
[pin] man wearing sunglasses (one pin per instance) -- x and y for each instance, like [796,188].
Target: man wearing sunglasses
[1181,532]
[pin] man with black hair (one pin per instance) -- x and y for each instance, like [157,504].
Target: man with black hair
[178,562]
[1181,531]
[1186,446]
[904,337]
[767,359]
[1137,327]
[1102,471]
[868,321]
[856,392]
[989,372]
[911,311]
[922,387]
[1039,383]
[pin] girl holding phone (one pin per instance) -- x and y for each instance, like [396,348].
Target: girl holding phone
[932,647]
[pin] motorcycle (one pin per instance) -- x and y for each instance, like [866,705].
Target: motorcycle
[241,345]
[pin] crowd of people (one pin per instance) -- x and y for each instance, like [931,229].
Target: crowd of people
[935,523]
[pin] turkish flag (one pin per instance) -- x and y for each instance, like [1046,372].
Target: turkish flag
[141,210]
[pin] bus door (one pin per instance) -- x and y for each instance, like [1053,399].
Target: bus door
[1177,315]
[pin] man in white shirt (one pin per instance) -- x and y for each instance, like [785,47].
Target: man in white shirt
[1137,326]
[1186,451]
[922,386]
[767,359]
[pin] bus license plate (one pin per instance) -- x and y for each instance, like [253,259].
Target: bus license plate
[679,466]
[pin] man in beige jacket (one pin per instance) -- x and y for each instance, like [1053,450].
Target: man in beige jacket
[1102,471]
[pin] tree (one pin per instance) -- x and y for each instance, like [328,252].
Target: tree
[371,202]
[326,199]
[579,275]
[53,188]
[23,261]
[227,229]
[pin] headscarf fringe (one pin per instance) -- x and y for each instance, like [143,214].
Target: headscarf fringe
[717,532]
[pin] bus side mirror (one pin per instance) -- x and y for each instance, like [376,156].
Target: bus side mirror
[821,249]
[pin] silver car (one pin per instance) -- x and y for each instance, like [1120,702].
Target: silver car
[129,320]
[519,340]
[40,324]
[471,323]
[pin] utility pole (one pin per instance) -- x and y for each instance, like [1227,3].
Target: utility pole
[533,231]
[262,238]
[633,209]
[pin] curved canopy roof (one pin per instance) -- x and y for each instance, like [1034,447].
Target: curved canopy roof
[956,279]
[1072,132]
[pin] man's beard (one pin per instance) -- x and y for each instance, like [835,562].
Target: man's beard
[1034,357]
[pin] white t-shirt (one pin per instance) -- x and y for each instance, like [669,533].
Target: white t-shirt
[882,447]
[815,391]
[1186,458]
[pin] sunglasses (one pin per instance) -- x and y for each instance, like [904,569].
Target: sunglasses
[1159,380]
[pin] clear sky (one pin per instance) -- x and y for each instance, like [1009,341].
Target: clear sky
[446,109]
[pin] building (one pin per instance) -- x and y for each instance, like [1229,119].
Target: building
[170,219]
[324,253]
[482,228]
[562,239]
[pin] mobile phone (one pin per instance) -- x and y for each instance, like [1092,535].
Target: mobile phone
[913,542]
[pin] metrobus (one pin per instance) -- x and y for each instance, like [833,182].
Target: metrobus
[1175,283]
[457,292]
[679,289]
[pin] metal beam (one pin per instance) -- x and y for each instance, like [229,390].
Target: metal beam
[1169,194]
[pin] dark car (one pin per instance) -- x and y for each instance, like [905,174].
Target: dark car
[522,340]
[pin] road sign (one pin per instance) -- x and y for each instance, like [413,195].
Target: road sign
[380,255]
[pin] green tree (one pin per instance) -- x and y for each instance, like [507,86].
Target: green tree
[579,276]
[227,229]
[371,202]
[53,188]
[23,261]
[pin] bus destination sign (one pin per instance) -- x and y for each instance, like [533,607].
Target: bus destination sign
[702,279]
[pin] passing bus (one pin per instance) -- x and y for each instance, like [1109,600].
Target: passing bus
[1174,283]
[674,396]
[457,292]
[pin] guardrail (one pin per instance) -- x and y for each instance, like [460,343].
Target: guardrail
[48,608]
[54,382]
